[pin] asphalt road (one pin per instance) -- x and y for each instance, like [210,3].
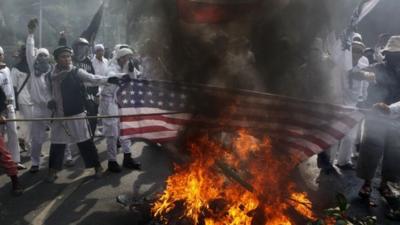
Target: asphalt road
[77,198]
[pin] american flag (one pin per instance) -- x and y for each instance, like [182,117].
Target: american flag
[305,127]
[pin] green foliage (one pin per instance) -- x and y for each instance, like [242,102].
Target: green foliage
[340,215]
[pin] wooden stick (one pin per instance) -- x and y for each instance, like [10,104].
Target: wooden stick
[89,117]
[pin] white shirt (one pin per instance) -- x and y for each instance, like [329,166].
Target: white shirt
[18,78]
[38,87]
[100,67]
[6,83]
[110,90]
[357,92]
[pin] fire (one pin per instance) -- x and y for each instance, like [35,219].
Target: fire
[245,184]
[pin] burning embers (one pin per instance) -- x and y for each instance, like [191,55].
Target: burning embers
[246,183]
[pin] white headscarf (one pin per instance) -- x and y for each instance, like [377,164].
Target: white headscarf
[1,50]
[98,47]
[43,51]
[123,52]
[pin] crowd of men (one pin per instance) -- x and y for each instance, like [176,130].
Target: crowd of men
[372,82]
[76,85]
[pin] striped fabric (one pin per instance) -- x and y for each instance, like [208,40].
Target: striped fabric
[159,110]
[6,161]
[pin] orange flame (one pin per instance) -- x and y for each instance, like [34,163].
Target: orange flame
[199,193]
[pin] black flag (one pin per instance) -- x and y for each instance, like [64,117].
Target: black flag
[93,28]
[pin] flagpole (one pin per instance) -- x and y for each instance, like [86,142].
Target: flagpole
[92,117]
[40,23]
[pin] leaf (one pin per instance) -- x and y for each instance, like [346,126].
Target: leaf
[342,202]
[341,222]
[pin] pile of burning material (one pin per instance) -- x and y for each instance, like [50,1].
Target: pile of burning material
[245,182]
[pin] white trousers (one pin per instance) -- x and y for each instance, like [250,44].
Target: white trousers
[39,135]
[26,112]
[112,147]
[12,136]
[347,146]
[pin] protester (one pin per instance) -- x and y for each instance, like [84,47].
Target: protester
[20,74]
[39,64]
[5,156]
[66,83]
[11,127]
[355,92]
[99,63]
[381,141]
[109,106]
[81,60]
[369,53]
[382,41]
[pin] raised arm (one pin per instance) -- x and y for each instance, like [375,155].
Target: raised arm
[30,51]
[30,44]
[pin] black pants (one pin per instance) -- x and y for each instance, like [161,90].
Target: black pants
[92,109]
[87,149]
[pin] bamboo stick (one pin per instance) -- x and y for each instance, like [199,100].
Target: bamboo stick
[88,117]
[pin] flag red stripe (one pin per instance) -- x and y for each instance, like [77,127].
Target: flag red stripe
[158,117]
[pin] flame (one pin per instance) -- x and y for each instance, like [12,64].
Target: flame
[200,193]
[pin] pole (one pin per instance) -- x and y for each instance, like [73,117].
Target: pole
[40,23]
[90,117]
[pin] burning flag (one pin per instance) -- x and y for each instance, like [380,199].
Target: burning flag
[243,145]
[160,111]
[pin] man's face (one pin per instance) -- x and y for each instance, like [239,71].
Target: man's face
[1,57]
[42,58]
[123,60]
[99,53]
[81,52]
[64,59]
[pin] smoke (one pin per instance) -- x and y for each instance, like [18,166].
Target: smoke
[268,49]
[58,15]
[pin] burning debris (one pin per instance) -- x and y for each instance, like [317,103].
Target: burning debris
[247,184]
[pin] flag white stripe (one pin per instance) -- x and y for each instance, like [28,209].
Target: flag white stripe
[153,135]
[149,123]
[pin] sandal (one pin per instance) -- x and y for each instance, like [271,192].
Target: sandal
[386,192]
[393,214]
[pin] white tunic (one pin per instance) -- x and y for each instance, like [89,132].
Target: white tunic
[100,67]
[18,79]
[108,102]
[6,83]
[37,85]
[358,91]
[70,131]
